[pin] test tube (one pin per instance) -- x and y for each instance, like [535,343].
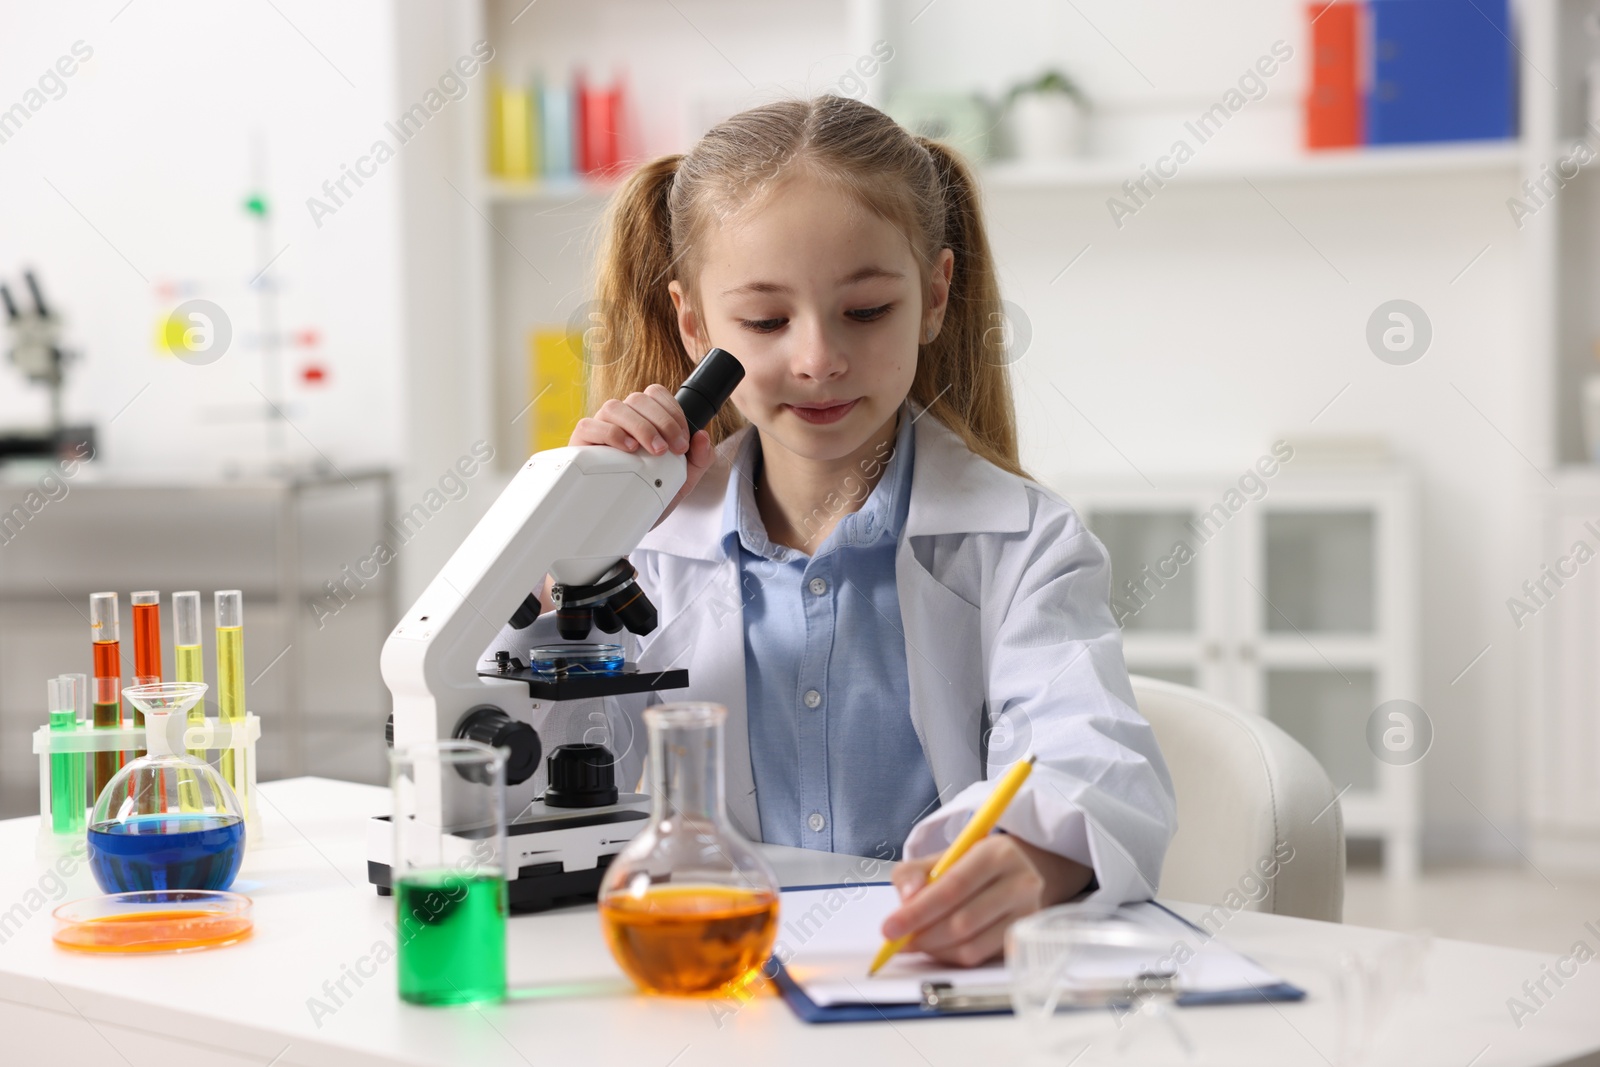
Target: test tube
[105,628]
[146,644]
[80,712]
[187,653]
[230,679]
[67,788]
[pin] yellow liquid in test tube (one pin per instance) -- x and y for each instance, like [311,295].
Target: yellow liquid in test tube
[230,697]
[230,685]
[191,667]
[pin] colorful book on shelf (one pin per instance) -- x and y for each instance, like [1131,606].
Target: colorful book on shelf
[557,129]
[602,114]
[1442,70]
[1333,101]
[512,152]
[556,386]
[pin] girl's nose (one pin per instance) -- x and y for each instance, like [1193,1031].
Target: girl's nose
[817,356]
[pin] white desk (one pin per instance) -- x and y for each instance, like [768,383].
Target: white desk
[316,916]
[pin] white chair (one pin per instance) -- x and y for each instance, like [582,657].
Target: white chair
[1248,794]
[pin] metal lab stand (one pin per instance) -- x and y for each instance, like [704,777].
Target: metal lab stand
[291,557]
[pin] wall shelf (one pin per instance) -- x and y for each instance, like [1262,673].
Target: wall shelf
[501,191]
[1469,157]
[1332,164]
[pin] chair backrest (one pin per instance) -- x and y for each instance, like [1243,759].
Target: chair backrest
[1259,825]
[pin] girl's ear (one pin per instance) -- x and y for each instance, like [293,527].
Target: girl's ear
[939,302]
[688,327]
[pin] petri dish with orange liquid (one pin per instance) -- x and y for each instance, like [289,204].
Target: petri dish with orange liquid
[159,920]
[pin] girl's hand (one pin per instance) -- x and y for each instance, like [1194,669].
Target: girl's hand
[651,420]
[961,919]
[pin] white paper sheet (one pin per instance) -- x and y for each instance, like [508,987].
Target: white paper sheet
[827,939]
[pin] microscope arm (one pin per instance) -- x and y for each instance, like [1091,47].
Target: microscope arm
[571,513]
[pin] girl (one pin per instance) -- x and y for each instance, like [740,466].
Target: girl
[857,565]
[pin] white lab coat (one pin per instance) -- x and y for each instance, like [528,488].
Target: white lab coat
[1010,646]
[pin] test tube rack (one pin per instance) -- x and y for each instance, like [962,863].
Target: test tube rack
[239,737]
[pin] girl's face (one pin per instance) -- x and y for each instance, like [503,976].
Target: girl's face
[821,300]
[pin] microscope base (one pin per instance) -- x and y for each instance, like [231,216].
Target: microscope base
[558,856]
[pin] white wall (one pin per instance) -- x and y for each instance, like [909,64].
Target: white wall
[134,180]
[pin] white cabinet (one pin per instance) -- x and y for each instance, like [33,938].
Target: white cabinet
[1559,607]
[1294,597]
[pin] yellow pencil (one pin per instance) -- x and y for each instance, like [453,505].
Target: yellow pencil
[977,828]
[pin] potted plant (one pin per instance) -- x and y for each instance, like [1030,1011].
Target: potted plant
[1046,117]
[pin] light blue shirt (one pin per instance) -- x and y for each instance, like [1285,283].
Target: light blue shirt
[837,763]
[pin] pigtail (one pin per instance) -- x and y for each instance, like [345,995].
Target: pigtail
[962,374]
[635,340]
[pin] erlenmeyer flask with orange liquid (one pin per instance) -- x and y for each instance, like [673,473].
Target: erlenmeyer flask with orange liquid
[689,905]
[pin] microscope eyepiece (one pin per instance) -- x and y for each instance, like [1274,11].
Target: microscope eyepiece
[705,391]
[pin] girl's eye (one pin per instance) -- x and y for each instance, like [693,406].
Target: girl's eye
[761,325]
[869,314]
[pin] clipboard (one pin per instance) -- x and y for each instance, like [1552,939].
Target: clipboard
[944,999]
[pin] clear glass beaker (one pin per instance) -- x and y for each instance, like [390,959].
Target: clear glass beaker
[688,906]
[1089,983]
[166,820]
[448,871]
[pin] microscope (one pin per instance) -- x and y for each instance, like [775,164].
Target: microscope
[574,514]
[36,351]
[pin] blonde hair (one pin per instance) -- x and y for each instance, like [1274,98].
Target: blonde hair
[658,220]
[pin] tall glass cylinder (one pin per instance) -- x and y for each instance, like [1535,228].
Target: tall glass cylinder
[146,608]
[688,906]
[77,685]
[448,873]
[105,629]
[67,789]
[230,680]
[146,642]
[188,660]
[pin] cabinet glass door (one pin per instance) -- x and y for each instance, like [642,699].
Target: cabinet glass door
[1150,591]
[1326,711]
[1181,675]
[1321,572]
[1157,591]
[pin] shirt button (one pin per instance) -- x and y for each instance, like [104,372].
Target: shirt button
[819,586]
[813,698]
[816,822]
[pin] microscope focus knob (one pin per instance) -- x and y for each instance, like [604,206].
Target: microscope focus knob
[581,776]
[496,729]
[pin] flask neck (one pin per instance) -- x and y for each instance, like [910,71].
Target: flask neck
[156,739]
[686,772]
